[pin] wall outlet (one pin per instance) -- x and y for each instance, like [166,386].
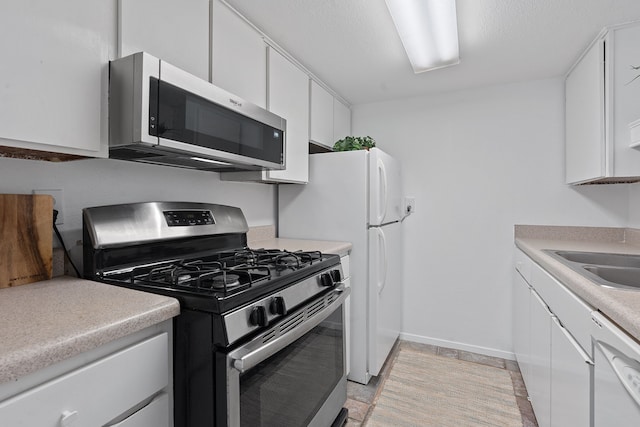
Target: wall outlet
[409,205]
[58,202]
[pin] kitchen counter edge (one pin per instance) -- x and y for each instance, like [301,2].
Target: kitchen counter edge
[621,306]
[51,321]
[324,246]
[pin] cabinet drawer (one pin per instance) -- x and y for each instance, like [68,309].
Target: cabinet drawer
[572,312]
[155,414]
[94,394]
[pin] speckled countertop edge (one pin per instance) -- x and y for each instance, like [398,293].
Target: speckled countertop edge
[264,237]
[621,306]
[50,321]
[324,246]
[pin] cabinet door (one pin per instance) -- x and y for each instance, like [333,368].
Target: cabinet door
[97,393]
[540,374]
[341,121]
[522,325]
[571,371]
[585,152]
[176,31]
[624,51]
[321,115]
[54,74]
[154,414]
[239,59]
[289,98]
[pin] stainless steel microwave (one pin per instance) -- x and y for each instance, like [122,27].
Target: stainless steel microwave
[161,114]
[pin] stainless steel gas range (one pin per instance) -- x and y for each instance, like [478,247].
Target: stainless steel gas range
[260,339]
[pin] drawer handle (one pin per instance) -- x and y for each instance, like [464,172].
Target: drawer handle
[69,418]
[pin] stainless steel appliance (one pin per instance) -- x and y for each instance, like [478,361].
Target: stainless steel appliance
[616,382]
[163,115]
[260,339]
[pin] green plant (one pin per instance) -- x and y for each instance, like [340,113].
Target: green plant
[350,143]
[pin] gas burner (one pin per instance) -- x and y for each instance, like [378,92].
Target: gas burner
[225,281]
[287,260]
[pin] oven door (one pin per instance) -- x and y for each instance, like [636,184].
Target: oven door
[294,373]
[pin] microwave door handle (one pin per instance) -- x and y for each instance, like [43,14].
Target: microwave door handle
[253,358]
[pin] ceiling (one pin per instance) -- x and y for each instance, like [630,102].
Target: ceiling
[353,47]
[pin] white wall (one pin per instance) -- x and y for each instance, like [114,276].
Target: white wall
[478,162]
[96,182]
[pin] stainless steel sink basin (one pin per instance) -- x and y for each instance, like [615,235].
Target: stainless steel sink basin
[626,276]
[620,271]
[600,258]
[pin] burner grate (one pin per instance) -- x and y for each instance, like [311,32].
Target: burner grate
[279,259]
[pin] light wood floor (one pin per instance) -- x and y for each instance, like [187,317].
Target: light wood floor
[361,399]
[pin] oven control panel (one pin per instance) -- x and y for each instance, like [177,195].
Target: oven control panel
[183,218]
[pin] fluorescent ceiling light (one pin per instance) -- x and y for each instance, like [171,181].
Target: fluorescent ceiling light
[428,30]
[216,162]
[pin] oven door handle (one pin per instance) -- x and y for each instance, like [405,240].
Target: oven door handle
[246,357]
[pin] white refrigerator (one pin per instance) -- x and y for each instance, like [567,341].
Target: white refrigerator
[356,196]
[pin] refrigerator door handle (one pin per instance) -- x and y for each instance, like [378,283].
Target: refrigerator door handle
[382,176]
[382,280]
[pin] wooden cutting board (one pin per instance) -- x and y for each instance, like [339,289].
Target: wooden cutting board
[26,238]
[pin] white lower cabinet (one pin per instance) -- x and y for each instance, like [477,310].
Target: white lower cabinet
[154,414]
[571,372]
[126,388]
[550,346]
[522,325]
[539,386]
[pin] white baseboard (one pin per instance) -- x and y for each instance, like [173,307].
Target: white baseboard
[458,346]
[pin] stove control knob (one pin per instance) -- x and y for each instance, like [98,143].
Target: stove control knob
[336,276]
[258,316]
[327,280]
[277,306]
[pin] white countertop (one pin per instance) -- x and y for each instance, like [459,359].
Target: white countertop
[263,237]
[50,321]
[620,305]
[324,246]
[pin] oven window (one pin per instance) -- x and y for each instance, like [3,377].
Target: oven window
[289,388]
[185,117]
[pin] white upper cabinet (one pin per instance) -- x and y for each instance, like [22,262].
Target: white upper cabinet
[288,97]
[176,31]
[321,129]
[602,107]
[54,74]
[341,121]
[239,56]
[330,118]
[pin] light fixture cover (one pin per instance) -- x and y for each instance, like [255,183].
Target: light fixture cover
[428,30]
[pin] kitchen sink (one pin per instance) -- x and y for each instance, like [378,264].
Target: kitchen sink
[600,258]
[620,271]
[625,276]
